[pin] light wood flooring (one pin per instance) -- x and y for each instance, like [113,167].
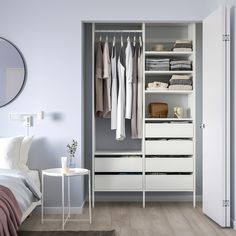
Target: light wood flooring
[130,219]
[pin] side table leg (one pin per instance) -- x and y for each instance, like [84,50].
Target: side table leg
[63,203]
[89,183]
[42,199]
[69,195]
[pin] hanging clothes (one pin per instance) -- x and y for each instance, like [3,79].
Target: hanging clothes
[140,93]
[107,81]
[113,89]
[99,80]
[120,130]
[129,68]
[134,130]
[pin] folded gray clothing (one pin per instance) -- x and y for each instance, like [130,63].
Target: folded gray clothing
[183,45]
[181,81]
[158,60]
[164,65]
[158,68]
[158,63]
[176,62]
[182,49]
[181,66]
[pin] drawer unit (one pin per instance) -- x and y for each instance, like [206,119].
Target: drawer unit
[118,164]
[169,182]
[169,147]
[179,164]
[169,130]
[118,182]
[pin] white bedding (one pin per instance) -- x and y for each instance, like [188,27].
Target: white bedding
[24,185]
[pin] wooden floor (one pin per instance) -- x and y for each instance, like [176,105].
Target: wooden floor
[130,219]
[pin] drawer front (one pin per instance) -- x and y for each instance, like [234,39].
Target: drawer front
[163,130]
[117,164]
[118,182]
[169,182]
[169,147]
[169,164]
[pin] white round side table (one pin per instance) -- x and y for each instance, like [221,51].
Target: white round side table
[58,172]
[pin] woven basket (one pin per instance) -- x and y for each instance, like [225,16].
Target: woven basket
[158,110]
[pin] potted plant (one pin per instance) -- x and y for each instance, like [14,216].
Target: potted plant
[71,148]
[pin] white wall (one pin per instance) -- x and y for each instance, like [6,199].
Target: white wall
[49,35]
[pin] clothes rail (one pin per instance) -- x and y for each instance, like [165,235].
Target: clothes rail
[118,31]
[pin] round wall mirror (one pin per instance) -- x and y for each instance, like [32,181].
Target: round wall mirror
[12,72]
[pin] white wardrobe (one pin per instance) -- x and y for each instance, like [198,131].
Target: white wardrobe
[164,159]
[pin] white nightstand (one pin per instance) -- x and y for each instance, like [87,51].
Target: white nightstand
[57,172]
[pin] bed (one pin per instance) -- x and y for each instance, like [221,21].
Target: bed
[25,186]
[19,186]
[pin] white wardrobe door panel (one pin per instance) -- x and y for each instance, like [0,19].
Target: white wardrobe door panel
[214,111]
[163,130]
[169,182]
[118,182]
[118,164]
[169,164]
[170,147]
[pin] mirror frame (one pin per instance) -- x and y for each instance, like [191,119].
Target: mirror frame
[25,68]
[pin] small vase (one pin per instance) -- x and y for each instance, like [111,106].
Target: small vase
[72,161]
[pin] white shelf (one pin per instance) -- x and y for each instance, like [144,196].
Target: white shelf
[168,119]
[168,53]
[117,152]
[169,91]
[168,72]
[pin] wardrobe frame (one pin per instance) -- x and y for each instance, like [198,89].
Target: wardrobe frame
[142,152]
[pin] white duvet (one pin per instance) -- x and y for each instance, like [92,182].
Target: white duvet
[24,187]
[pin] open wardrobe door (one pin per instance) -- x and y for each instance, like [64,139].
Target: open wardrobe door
[216,117]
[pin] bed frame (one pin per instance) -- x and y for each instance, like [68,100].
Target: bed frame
[30,209]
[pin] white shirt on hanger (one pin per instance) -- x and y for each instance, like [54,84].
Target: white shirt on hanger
[113,88]
[120,130]
[129,71]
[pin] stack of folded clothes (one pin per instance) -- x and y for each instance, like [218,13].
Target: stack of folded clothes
[181,65]
[156,85]
[181,82]
[183,45]
[157,64]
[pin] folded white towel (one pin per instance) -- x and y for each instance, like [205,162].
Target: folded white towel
[157,84]
[183,41]
[157,89]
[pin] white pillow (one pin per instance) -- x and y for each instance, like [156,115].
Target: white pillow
[10,152]
[24,152]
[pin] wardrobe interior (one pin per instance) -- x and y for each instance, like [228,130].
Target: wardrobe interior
[100,141]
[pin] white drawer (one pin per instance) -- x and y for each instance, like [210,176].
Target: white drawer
[117,164]
[169,182]
[118,182]
[169,147]
[168,130]
[169,164]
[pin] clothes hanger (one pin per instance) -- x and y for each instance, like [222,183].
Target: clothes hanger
[140,41]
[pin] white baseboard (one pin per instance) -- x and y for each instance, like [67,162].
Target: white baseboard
[233,224]
[125,198]
[167,198]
